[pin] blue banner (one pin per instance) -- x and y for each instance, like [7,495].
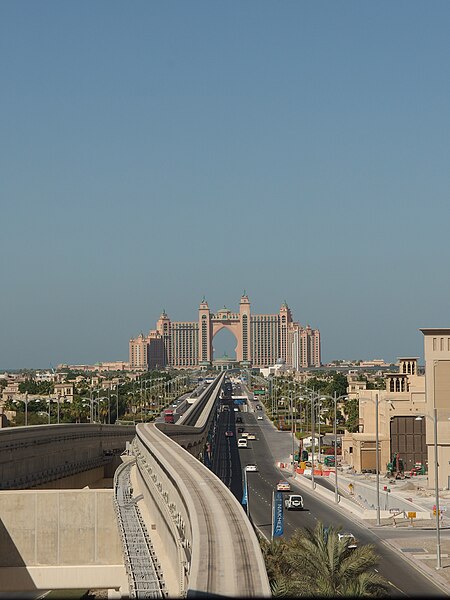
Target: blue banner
[278,522]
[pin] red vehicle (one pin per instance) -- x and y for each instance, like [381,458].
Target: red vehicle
[168,416]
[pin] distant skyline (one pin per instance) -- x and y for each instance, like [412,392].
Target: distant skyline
[153,153]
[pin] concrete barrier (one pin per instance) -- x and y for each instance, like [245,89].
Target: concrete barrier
[61,539]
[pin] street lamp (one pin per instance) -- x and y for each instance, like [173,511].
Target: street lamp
[313,397]
[436,486]
[377,458]
[98,401]
[25,401]
[116,394]
[44,412]
[335,400]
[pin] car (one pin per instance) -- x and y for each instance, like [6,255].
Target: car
[238,419]
[260,417]
[236,409]
[226,408]
[229,434]
[240,429]
[245,434]
[251,468]
[251,436]
[350,538]
[293,502]
[258,407]
[242,443]
[283,486]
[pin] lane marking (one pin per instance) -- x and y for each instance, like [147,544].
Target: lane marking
[397,588]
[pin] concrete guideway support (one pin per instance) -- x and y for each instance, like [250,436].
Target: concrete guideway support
[65,539]
[197,518]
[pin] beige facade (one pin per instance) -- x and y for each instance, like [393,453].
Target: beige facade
[406,414]
[260,339]
[403,396]
[437,377]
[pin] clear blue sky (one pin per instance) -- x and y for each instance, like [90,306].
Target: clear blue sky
[153,152]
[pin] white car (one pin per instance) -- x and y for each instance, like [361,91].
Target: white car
[250,468]
[259,417]
[348,537]
[283,486]
[251,436]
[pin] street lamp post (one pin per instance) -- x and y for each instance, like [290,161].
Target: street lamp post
[91,419]
[377,460]
[335,400]
[58,399]
[116,394]
[25,401]
[436,489]
[336,493]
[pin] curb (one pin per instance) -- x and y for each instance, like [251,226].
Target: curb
[443,586]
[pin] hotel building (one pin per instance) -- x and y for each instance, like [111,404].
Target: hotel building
[261,339]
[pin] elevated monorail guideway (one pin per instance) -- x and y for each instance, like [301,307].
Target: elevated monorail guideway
[217,547]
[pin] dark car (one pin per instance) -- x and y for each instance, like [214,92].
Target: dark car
[238,419]
[240,429]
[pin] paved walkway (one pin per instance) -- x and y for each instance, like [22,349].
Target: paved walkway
[417,540]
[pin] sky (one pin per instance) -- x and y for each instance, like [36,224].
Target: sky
[154,153]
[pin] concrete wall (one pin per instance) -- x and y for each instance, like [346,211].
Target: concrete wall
[43,530]
[31,456]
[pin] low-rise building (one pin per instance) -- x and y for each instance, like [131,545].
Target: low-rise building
[412,405]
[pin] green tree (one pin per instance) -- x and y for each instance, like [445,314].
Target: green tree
[378,383]
[323,565]
[351,410]
[279,571]
[337,384]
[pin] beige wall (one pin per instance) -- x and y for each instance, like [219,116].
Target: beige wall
[63,528]
[437,375]
[409,402]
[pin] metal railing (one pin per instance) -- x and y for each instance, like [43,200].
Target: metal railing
[145,577]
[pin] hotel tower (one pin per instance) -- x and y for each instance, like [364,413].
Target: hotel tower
[261,339]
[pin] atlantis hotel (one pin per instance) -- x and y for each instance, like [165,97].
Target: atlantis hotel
[261,340]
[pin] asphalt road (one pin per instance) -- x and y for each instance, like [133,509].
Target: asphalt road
[228,464]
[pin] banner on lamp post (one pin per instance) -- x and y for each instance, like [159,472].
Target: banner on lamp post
[278,521]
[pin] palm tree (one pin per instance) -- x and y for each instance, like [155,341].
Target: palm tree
[279,571]
[324,565]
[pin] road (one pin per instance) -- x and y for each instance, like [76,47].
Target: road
[229,463]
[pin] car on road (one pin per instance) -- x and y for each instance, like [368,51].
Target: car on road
[251,468]
[251,436]
[238,419]
[350,538]
[242,443]
[293,502]
[283,486]
[260,417]
[240,429]
[229,434]
[236,409]
[245,434]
